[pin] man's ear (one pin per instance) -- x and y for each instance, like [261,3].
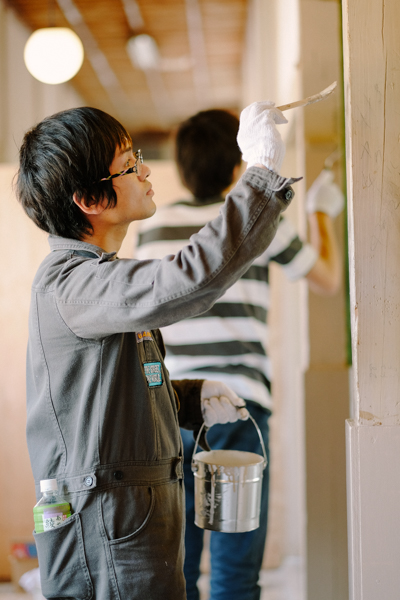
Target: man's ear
[88,209]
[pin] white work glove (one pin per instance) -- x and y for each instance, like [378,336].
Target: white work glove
[219,404]
[258,138]
[325,196]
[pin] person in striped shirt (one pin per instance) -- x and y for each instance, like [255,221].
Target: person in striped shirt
[229,342]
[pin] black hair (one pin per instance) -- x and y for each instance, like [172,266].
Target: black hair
[206,152]
[66,154]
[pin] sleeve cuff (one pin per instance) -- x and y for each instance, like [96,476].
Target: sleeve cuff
[266,177]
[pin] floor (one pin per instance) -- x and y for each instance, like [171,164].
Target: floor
[285,583]
[7,593]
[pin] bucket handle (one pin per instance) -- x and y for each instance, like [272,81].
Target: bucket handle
[195,467]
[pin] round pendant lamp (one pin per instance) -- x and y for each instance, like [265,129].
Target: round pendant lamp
[143,52]
[53,54]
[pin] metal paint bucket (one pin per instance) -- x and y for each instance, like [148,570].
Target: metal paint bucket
[227,488]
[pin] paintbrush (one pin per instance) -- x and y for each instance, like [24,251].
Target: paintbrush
[311,99]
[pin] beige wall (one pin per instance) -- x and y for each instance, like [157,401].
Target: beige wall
[23,102]
[327,378]
[22,246]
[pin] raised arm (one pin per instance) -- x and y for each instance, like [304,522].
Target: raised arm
[323,203]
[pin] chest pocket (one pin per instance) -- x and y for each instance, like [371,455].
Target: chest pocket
[151,354]
[151,358]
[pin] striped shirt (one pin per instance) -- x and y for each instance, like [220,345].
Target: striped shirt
[228,342]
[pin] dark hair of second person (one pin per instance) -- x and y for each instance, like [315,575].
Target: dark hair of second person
[68,153]
[206,152]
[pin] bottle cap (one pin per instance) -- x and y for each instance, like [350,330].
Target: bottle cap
[48,485]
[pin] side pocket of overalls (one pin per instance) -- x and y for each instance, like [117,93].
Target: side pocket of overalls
[62,562]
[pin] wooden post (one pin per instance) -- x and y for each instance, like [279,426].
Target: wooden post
[372,96]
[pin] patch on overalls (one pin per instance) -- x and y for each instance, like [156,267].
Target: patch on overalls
[153,373]
[143,335]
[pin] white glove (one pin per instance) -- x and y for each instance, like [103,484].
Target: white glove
[325,196]
[219,404]
[258,138]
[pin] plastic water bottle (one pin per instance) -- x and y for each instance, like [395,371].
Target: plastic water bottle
[51,510]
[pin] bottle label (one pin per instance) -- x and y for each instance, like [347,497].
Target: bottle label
[51,520]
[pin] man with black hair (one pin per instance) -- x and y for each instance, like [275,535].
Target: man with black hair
[103,415]
[229,341]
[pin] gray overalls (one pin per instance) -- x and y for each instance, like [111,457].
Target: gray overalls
[102,415]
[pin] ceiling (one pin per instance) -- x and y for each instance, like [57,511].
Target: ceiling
[200,43]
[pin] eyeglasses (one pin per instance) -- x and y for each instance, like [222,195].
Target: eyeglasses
[137,167]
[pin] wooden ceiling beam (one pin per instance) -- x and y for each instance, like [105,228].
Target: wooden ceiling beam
[96,57]
[201,76]
[133,14]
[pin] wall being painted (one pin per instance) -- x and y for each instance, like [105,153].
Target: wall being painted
[372,95]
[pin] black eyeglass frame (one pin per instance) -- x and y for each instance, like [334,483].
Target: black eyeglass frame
[139,160]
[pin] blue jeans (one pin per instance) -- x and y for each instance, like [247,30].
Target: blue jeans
[236,558]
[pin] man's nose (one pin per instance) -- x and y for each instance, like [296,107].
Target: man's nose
[144,172]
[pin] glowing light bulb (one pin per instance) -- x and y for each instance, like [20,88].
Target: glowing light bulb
[143,52]
[53,55]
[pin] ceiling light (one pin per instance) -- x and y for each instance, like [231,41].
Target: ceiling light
[54,54]
[143,52]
